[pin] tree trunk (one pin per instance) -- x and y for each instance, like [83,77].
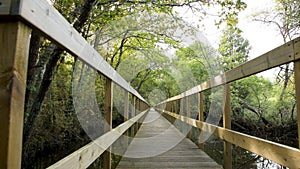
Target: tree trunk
[285,84]
[46,81]
[35,43]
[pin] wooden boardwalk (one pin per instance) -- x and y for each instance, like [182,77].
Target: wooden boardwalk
[158,144]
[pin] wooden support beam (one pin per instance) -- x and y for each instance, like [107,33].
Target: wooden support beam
[176,107]
[188,113]
[139,105]
[136,112]
[201,115]
[227,125]
[133,106]
[181,107]
[14,49]
[132,132]
[108,119]
[126,115]
[297,86]
[126,106]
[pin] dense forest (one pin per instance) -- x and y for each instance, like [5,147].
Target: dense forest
[160,55]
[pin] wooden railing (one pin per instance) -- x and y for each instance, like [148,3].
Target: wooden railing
[17,19]
[282,154]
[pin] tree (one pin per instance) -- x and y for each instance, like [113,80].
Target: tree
[285,17]
[233,48]
[200,59]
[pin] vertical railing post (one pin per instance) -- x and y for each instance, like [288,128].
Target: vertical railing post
[167,106]
[297,87]
[137,110]
[181,110]
[132,115]
[14,49]
[126,115]
[134,106]
[143,107]
[200,115]
[177,107]
[139,105]
[108,119]
[126,106]
[188,114]
[227,125]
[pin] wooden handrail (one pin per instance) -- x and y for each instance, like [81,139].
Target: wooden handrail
[283,54]
[83,157]
[42,16]
[284,155]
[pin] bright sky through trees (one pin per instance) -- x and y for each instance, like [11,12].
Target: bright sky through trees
[262,37]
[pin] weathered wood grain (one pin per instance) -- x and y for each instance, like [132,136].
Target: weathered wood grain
[297,48]
[108,104]
[227,125]
[297,88]
[14,49]
[201,115]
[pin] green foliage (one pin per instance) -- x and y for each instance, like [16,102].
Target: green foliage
[70,9]
[57,129]
[233,48]
[229,12]
[252,92]
[288,13]
[201,60]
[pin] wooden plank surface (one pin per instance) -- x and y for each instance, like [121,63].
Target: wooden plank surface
[158,144]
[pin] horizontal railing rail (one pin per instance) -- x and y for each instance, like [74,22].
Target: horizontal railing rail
[86,155]
[282,154]
[17,19]
[45,18]
[286,53]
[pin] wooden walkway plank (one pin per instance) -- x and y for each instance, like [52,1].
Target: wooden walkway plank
[158,144]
